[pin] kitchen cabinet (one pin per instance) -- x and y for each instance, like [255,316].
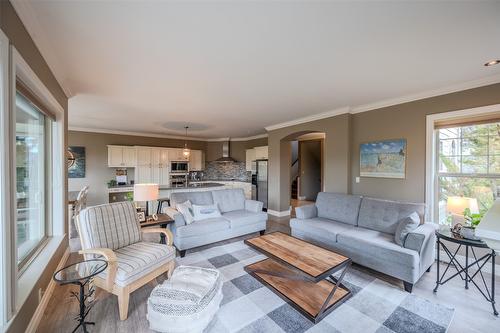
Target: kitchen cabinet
[196,162]
[121,156]
[152,165]
[249,158]
[143,168]
[261,153]
[175,154]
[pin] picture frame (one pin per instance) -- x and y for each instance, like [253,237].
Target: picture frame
[142,216]
[383,159]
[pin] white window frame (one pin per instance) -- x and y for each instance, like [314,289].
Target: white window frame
[7,276]
[23,282]
[432,146]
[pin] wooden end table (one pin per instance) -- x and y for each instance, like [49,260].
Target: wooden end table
[163,221]
[301,273]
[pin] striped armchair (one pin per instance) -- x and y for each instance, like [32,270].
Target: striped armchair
[112,231]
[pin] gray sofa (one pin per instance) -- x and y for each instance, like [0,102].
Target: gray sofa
[239,217]
[363,229]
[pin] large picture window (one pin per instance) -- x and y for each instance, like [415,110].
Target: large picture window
[31,148]
[469,164]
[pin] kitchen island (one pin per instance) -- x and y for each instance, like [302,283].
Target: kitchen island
[166,191]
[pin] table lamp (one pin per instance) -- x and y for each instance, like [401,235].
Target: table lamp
[146,192]
[456,206]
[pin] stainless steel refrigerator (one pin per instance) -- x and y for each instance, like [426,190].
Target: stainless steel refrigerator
[259,181]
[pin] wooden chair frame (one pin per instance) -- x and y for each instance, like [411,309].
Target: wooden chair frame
[123,292]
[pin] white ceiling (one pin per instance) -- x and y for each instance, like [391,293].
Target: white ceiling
[233,68]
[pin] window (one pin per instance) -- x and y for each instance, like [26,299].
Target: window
[469,164]
[31,149]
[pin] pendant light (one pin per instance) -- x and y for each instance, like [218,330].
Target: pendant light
[186,151]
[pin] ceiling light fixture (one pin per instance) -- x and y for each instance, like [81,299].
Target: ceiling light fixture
[186,151]
[492,62]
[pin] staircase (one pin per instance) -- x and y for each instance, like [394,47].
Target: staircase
[295,188]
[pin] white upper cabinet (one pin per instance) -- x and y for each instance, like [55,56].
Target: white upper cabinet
[261,153]
[250,157]
[175,154]
[196,160]
[121,156]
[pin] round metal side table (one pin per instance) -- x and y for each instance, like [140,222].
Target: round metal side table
[81,273]
[473,265]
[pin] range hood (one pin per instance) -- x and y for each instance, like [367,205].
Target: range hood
[225,154]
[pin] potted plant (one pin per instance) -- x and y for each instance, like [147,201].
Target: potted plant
[472,220]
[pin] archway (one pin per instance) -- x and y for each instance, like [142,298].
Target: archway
[304,152]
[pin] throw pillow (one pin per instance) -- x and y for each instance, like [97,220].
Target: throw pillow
[202,212]
[405,226]
[186,209]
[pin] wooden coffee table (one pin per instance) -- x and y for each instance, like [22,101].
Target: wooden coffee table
[297,271]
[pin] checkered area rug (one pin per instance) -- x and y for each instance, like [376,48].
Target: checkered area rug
[249,306]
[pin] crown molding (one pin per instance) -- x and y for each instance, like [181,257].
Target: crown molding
[391,101]
[308,119]
[427,94]
[27,15]
[164,136]
[248,138]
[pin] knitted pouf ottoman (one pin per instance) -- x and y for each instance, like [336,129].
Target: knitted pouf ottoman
[186,302]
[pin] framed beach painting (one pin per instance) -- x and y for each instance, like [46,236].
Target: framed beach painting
[383,159]
[76,162]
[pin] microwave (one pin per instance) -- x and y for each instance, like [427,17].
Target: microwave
[179,166]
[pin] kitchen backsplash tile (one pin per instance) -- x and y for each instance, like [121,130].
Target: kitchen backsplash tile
[227,171]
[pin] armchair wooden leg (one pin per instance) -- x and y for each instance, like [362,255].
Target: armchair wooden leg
[170,268]
[123,297]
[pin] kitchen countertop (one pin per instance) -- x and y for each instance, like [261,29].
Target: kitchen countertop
[221,180]
[201,185]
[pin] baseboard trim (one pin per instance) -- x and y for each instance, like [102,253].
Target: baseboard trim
[279,213]
[461,259]
[40,310]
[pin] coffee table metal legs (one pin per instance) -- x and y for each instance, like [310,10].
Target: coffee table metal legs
[332,293]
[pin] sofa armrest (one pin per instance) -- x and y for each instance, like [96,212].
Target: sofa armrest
[421,237]
[254,205]
[306,212]
[178,217]
[166,232]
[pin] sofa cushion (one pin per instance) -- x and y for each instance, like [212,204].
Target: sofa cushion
[205,212]
[339,207]
[139,259]
[240,218]
[405,226]
[229,200]
[196,198]
[320,227]
[378,245]
[203,227]
[384,215]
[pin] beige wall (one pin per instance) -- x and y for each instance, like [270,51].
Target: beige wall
[97,172]
[336,157]
[12,26]
[344,133]
[408,121]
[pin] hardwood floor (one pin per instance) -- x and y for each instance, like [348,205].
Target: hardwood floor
[473,313]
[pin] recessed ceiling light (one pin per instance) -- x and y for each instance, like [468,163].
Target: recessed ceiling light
[492,62]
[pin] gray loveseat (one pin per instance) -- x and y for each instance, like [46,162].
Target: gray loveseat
[239,217]
[363,229]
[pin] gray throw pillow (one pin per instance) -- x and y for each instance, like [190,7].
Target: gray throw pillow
[405,226]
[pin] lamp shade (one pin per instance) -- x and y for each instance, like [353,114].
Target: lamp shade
[457,205]
[490,224]
[145,192]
